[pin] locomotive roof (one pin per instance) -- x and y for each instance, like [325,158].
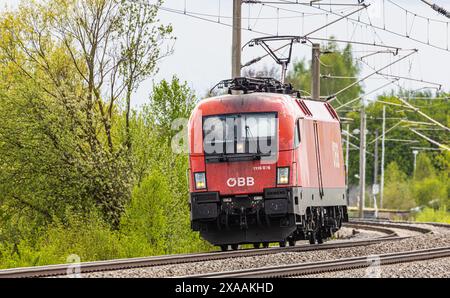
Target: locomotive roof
[267,102]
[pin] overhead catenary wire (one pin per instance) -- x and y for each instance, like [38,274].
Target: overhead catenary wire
[412,79]
[335,21]
[411,122]
[264,33]
[369,75]
[427,148]
[359,97]
[355,42]
[417,110]
[416,14]
[357,147]
[219,16]
[384,28]
[438,8]
[187,13]
[430,140]
[410,106]
[310,3]
[386,132]
[181,12]
[402,140]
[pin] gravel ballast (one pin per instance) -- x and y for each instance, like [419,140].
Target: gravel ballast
[436,268]
[439,238]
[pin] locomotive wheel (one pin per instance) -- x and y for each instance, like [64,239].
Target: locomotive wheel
[282,243]
[266,244]
[234,246]
[291,242]
[224,247]
[256,245]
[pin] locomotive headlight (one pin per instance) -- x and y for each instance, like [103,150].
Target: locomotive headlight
[283,175]
[200,180]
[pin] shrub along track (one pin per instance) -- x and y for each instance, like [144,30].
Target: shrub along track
[120,264]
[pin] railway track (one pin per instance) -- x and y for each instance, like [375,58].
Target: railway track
[120,264]
[370,224]
[330,265]
[396,222]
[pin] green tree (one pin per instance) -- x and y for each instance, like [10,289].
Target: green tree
[153,155]
[430,192]
[397,193]
[424,168]
[69,68]
[170,101]
[338,70]
[145,220]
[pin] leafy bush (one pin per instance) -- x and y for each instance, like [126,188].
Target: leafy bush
[150,226]
[397,192]
[433,215]
[430,192]
[86,236]
[144,219]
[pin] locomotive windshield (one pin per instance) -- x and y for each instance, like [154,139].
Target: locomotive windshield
[239,136]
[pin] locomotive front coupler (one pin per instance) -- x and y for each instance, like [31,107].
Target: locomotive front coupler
[242,206]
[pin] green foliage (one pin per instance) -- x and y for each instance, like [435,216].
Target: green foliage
[65,102]
[155,221]
[170,101]
[400,139]
[334,62]
[397,193]
[86,236]
[430,192]
[433,215]
[145,217]
[403,192]
[424,167]
[80,172]
[429,189]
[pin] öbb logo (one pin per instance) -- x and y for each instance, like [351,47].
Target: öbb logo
[241,181]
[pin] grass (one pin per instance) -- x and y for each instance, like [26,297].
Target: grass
[432,215]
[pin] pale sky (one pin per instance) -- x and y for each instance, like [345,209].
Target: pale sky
[202,54]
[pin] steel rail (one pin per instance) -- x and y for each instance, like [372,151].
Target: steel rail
[386,221]
[389,224]
[331,265]
[120,264]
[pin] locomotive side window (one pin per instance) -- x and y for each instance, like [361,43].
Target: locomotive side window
[239,135]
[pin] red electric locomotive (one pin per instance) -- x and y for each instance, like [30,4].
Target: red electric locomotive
[265,166]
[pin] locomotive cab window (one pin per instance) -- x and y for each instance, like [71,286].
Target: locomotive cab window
[239,136]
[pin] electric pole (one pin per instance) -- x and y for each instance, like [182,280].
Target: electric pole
[415,152]
[362,161]
[347,151]
[236,47]
[315,67]
[382,157]
[375,168]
